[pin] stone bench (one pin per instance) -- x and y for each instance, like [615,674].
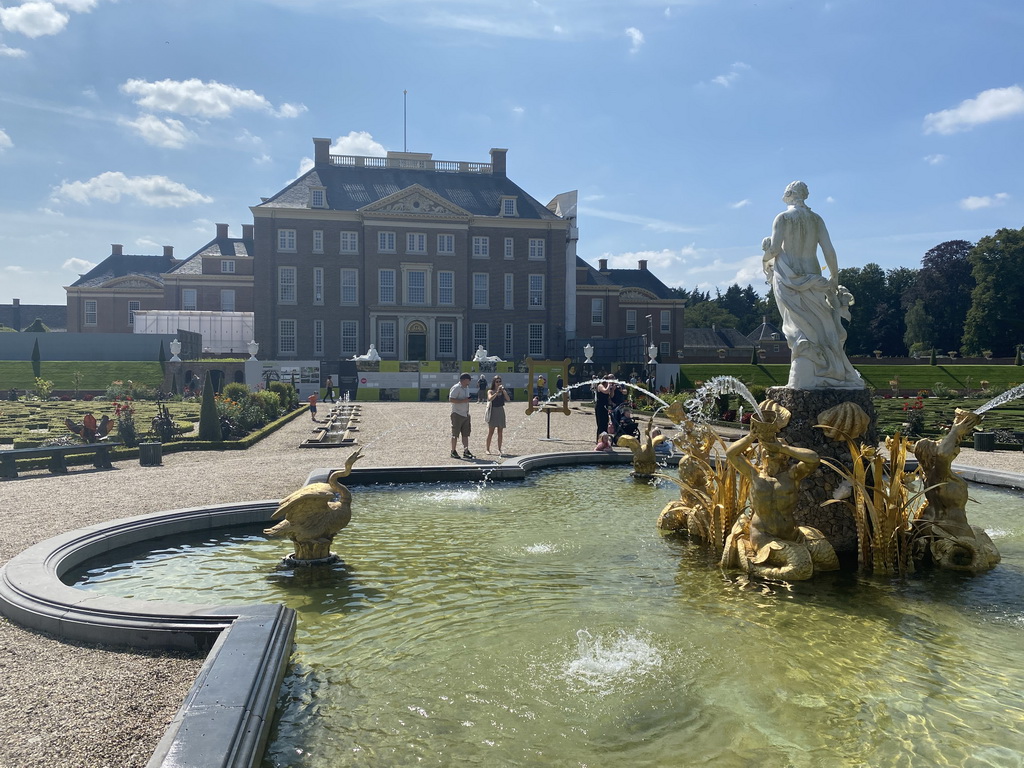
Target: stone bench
[57,455]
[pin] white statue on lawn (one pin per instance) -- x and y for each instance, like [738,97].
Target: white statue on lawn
[812,306]
[371,355]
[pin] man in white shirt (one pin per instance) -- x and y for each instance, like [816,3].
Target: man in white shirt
[459,396]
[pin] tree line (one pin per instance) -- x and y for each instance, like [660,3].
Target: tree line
[966,298]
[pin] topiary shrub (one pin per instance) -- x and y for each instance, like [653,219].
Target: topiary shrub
[236,391]
[209,419]
[286,392]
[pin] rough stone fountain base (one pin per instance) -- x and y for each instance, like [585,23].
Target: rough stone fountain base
[805,405]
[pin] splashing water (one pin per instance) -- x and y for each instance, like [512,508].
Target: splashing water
[600,665]
[1007,396]
[719,385]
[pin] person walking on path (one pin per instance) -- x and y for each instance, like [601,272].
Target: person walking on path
[482,386]
[329,391]
[312,406]
[459,396]
[495,414]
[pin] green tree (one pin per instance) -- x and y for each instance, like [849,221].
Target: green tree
[708,313]
[38,326]
[943,285]
[995,320]
[920,326]
[209,421]
[36,360]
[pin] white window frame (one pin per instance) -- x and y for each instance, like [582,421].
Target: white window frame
[348,242]
[227,300]
[536,291]
[663,349]
[227,266]
[133,307]
[317,197]
[510,284]
[481,291]
[189,299]
[318,338]
[318,286]
[387,286]
[90,312]
[349,344]
[509,335]
[286,241]
[509,206]
[446,244]
[630,321]
[445,288]
[287,336]
[411,276]
[480,335]
[415,242]
[597,311]
[535,340]
[318,241]
[287,285]
[445,338]
[349,284]
[387,337]
[510,248]
[385,242]
[666,320]
[537,249]
[481,247]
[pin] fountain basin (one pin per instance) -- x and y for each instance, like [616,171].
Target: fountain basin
[630,644]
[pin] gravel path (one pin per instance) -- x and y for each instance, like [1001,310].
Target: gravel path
[68,705]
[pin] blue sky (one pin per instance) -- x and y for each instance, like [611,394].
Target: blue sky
[679,122]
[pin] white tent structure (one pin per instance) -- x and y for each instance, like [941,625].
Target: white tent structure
[222,331]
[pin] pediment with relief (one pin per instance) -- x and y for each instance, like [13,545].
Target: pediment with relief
[416,201]
[134,281]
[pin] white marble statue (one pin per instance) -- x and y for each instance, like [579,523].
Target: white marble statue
[481,356]
[811,305]
[371,355]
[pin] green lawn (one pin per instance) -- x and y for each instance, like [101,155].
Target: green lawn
[911,377]
[97,375]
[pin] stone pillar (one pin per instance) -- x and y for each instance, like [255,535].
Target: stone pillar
[835,520]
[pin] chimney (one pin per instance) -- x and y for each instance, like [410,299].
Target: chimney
[642,265]
[169,251]
[247,231]
[602,265]
[498,162]
[322,151]
[116,249]
[222,231]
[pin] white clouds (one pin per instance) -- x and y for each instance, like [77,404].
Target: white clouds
[974,203]
[729,78]
[78,266]
[740,204]
[111,186]
[33,19]
[12,53]
[656,225]
[934,159]
[636,39]
[993,104]
[664,259]
[5,140]
[194,98]
[168,133]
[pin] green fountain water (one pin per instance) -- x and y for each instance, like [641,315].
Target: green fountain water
[547,623]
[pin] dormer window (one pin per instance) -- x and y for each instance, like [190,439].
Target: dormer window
[317,197]
[508,206]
